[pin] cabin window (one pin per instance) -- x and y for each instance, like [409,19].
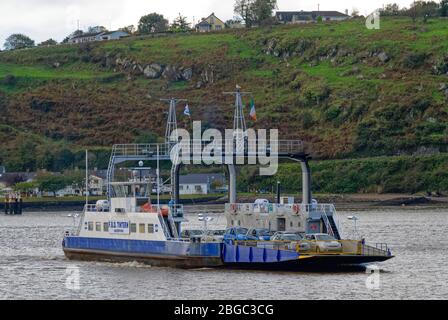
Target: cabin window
[150,228]
[299,224]
[231,222]
[141,228]
[239,223]
[98,226]
[90,226]
[133,228]
[290,224]
[106,226]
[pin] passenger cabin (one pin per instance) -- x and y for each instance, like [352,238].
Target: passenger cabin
[131,215]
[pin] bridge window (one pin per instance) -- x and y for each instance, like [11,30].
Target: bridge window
[150,228]
[98,226]
[106,226]
[133,228]
[141,228]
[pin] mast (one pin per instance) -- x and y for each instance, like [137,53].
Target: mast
[239,122]
[171,124]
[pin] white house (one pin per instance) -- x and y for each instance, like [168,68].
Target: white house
[99,36]
[200,183]
[291,17]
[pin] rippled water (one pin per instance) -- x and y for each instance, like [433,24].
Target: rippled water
[32,265]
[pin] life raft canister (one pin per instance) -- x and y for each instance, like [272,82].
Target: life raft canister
[147,207]
[296,208]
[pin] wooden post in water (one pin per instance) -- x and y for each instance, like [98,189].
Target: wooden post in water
[87,177]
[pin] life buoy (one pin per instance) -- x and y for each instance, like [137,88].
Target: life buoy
[296,208]
[233,207]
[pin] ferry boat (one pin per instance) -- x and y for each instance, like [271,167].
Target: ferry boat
[286,235]
[133,229]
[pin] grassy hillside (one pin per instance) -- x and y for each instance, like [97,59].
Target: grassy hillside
[348,91]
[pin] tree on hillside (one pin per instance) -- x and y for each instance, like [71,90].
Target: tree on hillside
[255,12]
[50,183]
[151,23]
[244,9]
[391,9]
[76,179]
[128,29]
[25,187]
[444,8]
[96,29]
[263,10]
[18,41]
[423,9]
[180,24]
[49,42]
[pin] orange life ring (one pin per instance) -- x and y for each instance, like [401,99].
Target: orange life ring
[233,207]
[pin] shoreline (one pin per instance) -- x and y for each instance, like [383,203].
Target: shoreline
[342,202]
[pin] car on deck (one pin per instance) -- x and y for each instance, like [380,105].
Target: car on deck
[293,240]
[322,242]
[238,234]
[262,234]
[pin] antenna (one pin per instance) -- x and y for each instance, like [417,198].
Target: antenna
[172,120]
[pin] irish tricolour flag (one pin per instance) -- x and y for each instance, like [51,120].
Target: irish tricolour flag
[253,112]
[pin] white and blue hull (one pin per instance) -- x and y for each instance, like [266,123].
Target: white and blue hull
[157,253]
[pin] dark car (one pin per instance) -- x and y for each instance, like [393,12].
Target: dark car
[262,234]
[238,234]
[186,234]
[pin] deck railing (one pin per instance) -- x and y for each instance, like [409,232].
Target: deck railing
[232,145]
[311,247]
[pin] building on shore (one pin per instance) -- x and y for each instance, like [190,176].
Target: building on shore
[99,36]
[293,17]
[211,23]
[202,183]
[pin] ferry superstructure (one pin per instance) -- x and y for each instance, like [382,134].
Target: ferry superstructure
[132,227]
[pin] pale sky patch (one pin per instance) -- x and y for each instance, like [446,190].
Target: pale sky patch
[44,19]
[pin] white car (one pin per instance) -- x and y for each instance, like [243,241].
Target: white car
[322,242]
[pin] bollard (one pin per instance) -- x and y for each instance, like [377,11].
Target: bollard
[20,206]
[6,205]
[16,206]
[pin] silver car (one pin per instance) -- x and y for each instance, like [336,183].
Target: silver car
[294,239]
[322,242]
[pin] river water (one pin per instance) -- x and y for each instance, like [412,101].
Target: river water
[32,265]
